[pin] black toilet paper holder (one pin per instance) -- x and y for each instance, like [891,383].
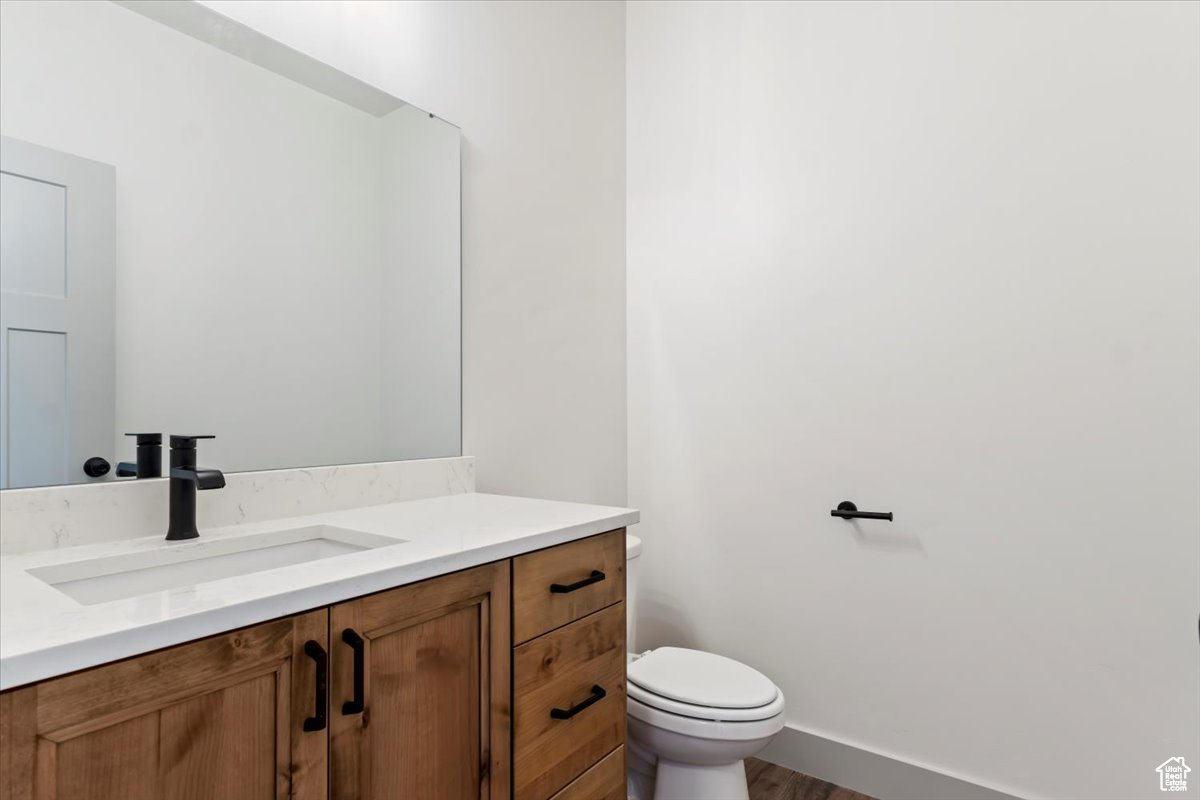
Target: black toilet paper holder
[847,510]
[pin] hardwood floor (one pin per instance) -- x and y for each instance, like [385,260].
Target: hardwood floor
[771,782]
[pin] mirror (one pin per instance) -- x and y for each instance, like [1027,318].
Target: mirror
[203,231]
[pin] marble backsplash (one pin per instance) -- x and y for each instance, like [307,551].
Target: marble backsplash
[64,516]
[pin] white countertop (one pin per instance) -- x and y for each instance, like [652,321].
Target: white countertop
[44,633]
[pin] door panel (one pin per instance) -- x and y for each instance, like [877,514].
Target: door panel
[217,719]
[112,761]
[425,701]
[57,314]
[222,744]
[436,716]
[37,406]
[33,235]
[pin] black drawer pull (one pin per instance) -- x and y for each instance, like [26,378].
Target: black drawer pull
[317,653]
[595,577]
[355,641]
[597,695]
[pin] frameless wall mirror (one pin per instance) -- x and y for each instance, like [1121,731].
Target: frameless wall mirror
[203,231]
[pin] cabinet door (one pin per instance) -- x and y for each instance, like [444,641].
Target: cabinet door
[215,719]
[420,696]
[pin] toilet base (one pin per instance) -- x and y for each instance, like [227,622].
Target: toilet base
[670,780]
[691,759]
[674,781]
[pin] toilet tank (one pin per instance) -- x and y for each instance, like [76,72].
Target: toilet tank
[633,549]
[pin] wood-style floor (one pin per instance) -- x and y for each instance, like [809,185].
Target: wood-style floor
[770,782]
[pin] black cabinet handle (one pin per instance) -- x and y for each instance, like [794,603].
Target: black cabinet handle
[595,577]
[313,650]
[847,510]
[355,641]
[597,695]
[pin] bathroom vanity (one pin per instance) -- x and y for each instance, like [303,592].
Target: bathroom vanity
[338,613]
[499,678]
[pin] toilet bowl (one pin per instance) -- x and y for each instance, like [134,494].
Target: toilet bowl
[693,717]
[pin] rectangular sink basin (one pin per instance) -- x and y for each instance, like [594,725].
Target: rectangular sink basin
[99,580]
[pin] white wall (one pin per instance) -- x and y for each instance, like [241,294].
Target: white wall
[939,259]
[538,89]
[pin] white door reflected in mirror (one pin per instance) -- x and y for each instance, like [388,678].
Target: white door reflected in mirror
[57,307]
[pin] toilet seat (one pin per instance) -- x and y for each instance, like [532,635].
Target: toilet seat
[704,729]
[702,686]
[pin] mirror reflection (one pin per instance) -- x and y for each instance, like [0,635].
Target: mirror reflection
[204,232]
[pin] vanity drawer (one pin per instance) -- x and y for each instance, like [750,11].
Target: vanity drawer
[573,570]
[556,676]
[605,781]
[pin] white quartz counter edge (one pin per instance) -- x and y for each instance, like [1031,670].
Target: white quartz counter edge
[44,633]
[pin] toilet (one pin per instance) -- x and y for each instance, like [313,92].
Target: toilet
[693,717]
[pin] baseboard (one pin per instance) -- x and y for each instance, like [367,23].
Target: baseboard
[881,776]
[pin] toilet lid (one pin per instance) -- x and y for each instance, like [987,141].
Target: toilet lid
[703,679]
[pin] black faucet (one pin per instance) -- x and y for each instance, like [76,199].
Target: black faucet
[149,458]
[186,478]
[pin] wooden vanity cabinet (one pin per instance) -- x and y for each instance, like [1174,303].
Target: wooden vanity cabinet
[413,683]
[407,694]
[218,718]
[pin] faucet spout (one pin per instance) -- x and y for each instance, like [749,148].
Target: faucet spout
[203,478]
